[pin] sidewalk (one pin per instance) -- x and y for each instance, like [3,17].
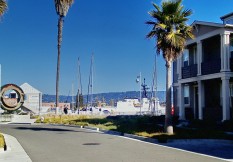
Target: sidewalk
[15,151]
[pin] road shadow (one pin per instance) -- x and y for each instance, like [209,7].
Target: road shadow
[46,129]
[50,129]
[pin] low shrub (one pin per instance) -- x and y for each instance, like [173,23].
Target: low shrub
[227,125]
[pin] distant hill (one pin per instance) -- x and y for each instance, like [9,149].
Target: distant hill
[116,96]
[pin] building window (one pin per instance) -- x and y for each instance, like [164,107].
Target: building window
[186,94]
[194,50]
[231,46]
[186,57]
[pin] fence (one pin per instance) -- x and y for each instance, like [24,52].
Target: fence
[5,118]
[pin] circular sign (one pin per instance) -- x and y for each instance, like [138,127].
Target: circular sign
[11,103]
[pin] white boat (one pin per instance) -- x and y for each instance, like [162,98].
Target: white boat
[133,106]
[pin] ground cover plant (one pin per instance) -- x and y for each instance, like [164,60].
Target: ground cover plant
[2,141]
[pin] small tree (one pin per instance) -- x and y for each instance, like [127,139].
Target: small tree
[170,31]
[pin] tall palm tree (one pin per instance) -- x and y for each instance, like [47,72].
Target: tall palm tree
[62,7]
[3,7]
[170,32]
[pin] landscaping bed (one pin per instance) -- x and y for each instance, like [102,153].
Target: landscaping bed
[2,141]
[146,126]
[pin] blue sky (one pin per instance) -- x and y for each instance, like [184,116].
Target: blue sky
[113,30]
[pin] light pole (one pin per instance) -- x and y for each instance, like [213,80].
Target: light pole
[139,80]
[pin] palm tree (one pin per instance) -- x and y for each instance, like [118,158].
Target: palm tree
[62,7]
[3,7]
[170,31]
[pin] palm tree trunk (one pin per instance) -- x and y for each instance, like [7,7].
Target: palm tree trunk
[168,117]
[59,39]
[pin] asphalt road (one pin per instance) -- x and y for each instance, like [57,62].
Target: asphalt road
[70,144]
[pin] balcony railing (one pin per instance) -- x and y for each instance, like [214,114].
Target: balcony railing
[231,64]
[189,71]
[211,67]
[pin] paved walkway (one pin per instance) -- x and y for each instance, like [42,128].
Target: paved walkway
[15,152]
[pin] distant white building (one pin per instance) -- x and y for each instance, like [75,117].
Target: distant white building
[33,98]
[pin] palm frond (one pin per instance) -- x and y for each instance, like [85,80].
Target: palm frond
[187,13]
[169,28]
[157,7]
[150,22]
[3,7]
[161,25]
[151,34]
[62,6]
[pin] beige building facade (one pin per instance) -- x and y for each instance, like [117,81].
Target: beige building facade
[203,75]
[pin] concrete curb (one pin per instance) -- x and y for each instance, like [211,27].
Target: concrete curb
[15,151]
[145,139]
[111,132]
[91,128]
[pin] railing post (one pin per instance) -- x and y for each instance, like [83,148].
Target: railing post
[199,57]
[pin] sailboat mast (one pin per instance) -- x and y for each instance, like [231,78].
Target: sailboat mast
[90,84]
[155,80]
[79,86]
[92,59]
[154,87]
[72,97]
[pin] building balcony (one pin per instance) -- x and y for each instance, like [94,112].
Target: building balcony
[189,71]
[211,67]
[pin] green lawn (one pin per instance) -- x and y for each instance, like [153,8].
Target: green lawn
[147,126]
